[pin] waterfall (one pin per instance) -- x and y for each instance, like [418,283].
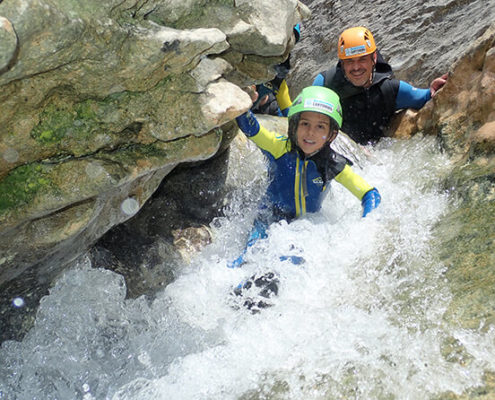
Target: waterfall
[361,318]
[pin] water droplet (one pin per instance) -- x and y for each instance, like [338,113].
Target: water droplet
[130,206]
[10,155]
[18,302]
[145,359]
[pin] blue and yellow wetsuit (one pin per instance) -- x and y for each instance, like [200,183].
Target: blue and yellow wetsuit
[298,184]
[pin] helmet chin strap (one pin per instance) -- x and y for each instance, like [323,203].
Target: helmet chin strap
[369,81]
[372,75]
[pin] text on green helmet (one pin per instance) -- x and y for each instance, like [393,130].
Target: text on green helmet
[318,99]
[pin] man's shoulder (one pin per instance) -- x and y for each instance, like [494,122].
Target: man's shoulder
[332,77]
[388,86]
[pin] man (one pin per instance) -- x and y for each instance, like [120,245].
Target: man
[368,92]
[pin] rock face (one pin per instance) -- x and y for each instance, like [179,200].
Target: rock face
[103,99]
[463,117]
[463,113]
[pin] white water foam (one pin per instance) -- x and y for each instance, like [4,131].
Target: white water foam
[361,318]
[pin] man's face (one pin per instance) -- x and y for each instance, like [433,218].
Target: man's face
[358,70]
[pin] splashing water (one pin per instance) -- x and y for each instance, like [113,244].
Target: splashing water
[360,318]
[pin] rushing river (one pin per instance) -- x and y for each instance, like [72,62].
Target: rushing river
[361,318]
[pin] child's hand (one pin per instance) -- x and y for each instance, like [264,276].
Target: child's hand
[370,201]
[248,123]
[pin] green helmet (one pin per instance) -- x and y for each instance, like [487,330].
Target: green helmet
[318,99]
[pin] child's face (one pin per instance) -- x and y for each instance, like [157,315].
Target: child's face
[313,131]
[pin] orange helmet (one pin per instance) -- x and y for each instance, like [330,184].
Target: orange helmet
[355,42]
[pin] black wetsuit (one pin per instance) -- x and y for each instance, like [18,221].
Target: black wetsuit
[367,111]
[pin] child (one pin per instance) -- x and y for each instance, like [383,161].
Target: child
[302,164]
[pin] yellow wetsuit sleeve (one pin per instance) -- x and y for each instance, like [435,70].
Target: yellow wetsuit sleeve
[283,96]
[276,145]
[353,182]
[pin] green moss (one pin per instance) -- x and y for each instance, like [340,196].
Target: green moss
[46,136]
[58,123]
[21,185]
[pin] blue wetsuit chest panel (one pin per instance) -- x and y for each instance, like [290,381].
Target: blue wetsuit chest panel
[296,186]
